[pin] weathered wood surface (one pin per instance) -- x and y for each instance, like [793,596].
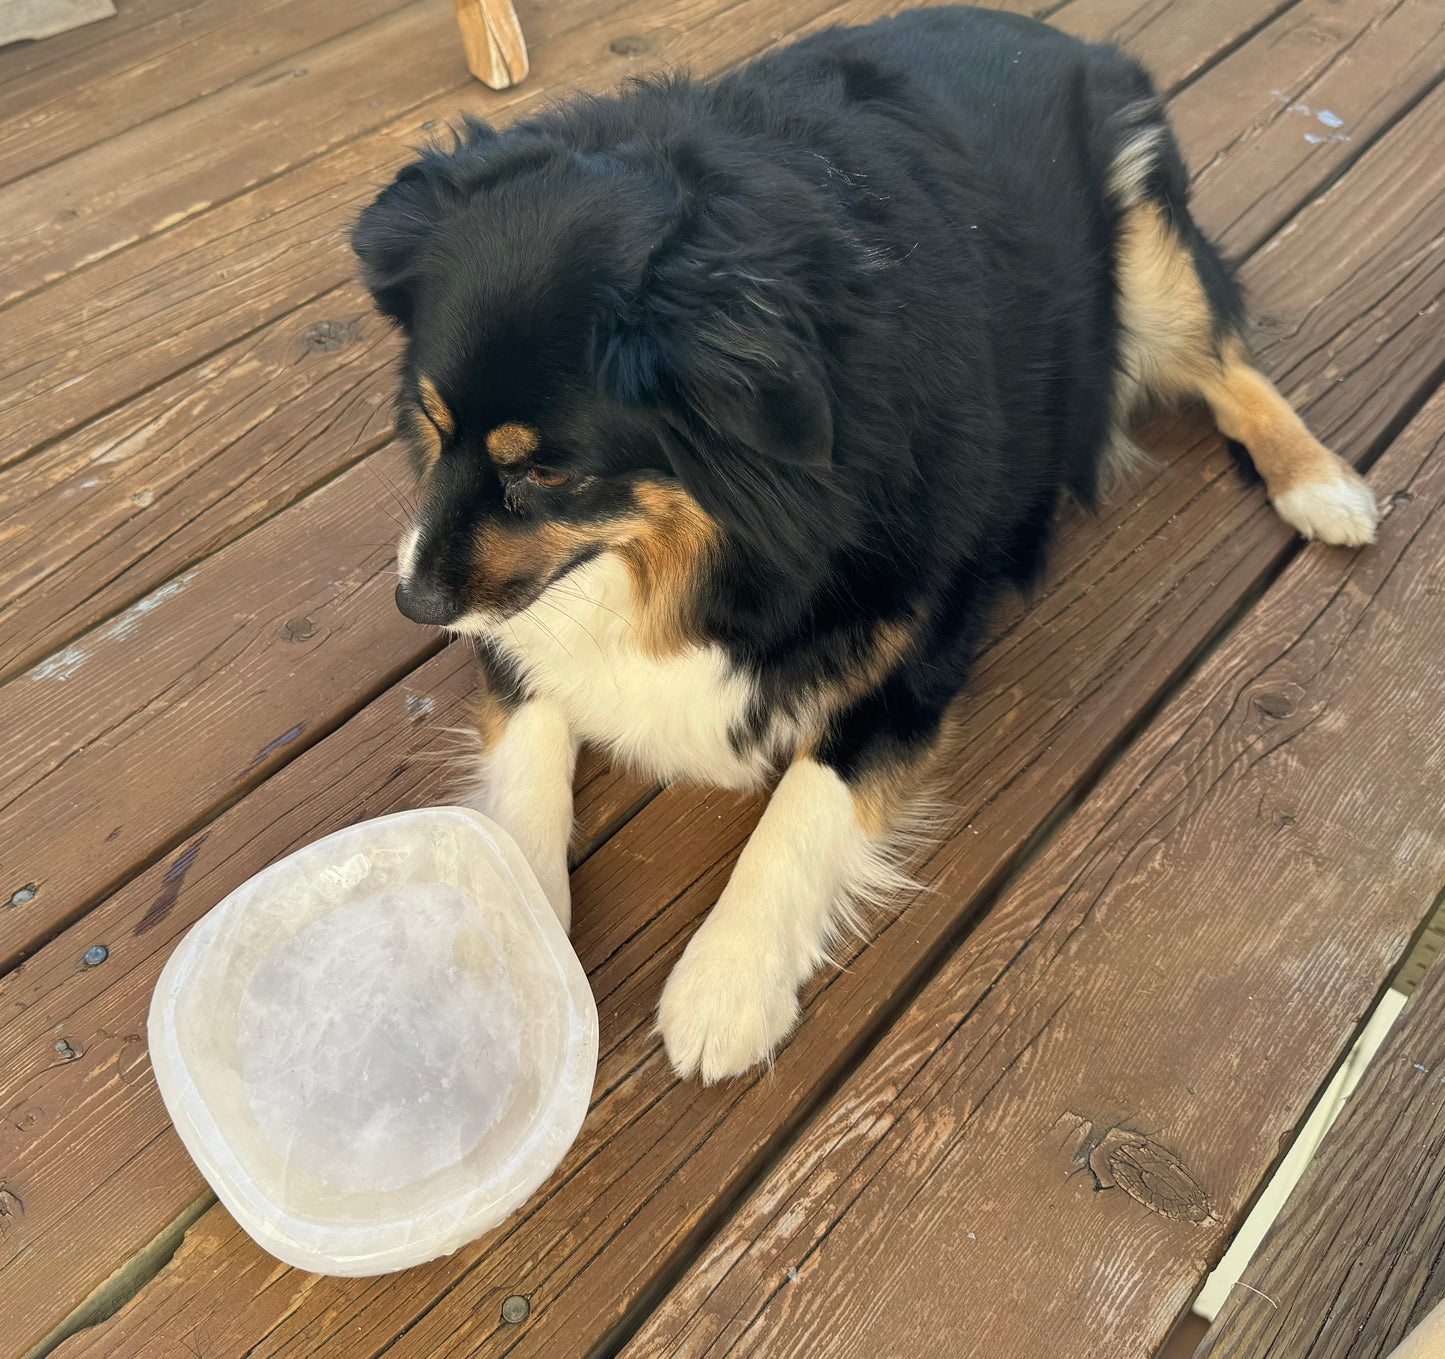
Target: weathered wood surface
[190,384]
[1058,1136]
[205,454]
[151,70]
[1356,1258]
[1130,605]
[86,1149]
[145,727]
[115,509]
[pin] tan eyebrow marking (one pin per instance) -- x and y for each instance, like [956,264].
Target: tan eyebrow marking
[511,443]
[434,406]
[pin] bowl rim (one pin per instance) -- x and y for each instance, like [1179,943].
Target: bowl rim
[388,1243]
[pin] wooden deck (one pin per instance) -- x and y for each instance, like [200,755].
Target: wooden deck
[1201,800]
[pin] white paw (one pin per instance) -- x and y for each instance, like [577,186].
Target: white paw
[1342,511]
[721,1010]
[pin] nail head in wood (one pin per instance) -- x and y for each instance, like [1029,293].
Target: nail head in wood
[516,1309]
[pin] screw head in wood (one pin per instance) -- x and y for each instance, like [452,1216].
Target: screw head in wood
[95,955]
[516,1309]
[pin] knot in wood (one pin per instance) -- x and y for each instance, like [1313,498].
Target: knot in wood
[1149,1174]
[1279,700]
[634,45]
[326,337]
[1121,1158]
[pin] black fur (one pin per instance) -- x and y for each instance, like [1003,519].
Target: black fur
[857,297]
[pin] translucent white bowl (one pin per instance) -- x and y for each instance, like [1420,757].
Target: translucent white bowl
[377,1048]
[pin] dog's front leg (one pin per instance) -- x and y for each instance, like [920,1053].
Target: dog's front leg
[733,996]
[529,757]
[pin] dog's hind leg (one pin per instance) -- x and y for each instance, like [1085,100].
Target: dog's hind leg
[1313,490]
[1177,340]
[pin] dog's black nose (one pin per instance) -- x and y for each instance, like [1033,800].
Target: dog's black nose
[423,602]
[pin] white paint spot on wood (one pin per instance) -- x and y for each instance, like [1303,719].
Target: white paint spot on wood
[1329,118]
[123,626]
[61,666]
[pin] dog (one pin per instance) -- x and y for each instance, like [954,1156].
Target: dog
[735,403]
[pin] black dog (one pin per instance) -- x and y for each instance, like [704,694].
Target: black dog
[736,402]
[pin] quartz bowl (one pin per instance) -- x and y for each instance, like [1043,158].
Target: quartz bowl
[380,1046]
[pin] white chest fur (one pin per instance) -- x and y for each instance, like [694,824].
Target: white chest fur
[669,716]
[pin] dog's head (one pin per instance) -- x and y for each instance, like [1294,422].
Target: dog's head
[605,351]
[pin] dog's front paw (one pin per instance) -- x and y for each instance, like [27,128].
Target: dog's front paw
[722,1011]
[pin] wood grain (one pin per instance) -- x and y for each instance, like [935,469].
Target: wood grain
[1353,1263]
[112,511]
[1295,107]
[23,62]
[150,487]
[147,488]
[150,177]
[1059,1135]
[149,71]
[81,1214]
[1130,604]
[149,724]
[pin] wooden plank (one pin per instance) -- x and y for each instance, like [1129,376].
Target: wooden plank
[23,60]
[244,261]
[81,1214]
[62,110]
[1175,39]
[100,518]
[1130,603]
[1354,1261]
[1292,110]
[138,509]
[1059,1134]
[152,176]
[152,722]
[175,166]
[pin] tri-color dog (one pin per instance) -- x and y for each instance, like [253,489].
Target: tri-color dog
[736,402]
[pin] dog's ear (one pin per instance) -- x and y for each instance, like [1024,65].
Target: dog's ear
[748,409]
[391,232]
[389,236]
[747,414]
[716,334]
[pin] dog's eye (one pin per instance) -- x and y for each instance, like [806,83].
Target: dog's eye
[544,476]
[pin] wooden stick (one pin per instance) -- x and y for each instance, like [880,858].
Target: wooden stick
[496,50]
[1427,1340]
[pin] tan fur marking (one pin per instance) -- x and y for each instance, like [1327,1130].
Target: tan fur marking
[507,555]
[1248,408]
[491,721]
[512,443]
[435,408]
[664,555]
[890,641]
[1167,346]
[1169,349]
[428,440]
[886,799]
